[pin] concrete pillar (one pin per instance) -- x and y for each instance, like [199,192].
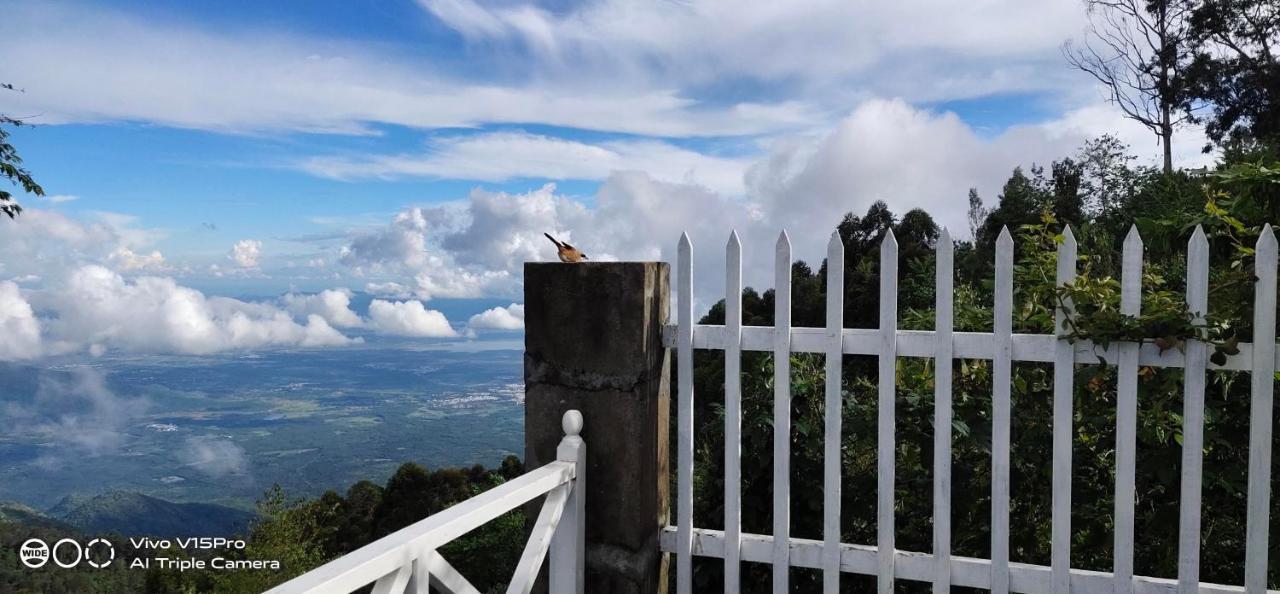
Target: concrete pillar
[593,342]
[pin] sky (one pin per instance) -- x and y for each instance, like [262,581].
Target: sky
[239,175]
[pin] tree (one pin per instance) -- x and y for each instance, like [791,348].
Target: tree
[977,213]
[1235,69]
[11,165]
[1136,49]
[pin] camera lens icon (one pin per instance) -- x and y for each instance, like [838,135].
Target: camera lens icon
[34,553]
[67,553]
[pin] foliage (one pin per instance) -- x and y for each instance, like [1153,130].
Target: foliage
[1235,69]
[11,165]
[1136,49]
[303,534]
[1102,197]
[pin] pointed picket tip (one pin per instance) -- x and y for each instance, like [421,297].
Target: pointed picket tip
[1133,238]
[835,242]
[784,240]
[684,241]
[1005,238]
[889,240]
[733,240]
[944,236]
[1068,238]
[1267,239]
[1198,240]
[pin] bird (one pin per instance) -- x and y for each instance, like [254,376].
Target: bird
[568,254]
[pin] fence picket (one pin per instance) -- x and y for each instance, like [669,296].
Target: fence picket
[1193,419]
[1001,405]
[1002,347]
[1262,385]
[684,369]
[782,415]
[834,411]
[1127,416]
[733,414]
[885,449]
[943,324]
[1063,397]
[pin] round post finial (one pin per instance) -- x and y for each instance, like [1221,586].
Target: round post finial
[572,423]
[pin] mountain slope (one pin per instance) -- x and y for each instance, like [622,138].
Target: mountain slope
[135,514]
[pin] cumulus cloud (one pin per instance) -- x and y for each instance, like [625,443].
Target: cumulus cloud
[96,306]
[214,456]
[245,253]
[389,289]
[126,260]
[19,328]
[43,241]
[407,247]
[882,150]
[510,317]
[408,318]
[334,305]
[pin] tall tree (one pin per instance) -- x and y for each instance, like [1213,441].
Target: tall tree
[1235,68]
[11,165]
[1136,49]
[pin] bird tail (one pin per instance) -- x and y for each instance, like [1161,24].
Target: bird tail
[553,240]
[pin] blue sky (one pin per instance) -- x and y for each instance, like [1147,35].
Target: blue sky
[415,151]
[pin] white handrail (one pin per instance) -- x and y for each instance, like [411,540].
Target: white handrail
[396,554]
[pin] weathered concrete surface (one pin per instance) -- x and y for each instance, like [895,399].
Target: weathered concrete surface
[593,342]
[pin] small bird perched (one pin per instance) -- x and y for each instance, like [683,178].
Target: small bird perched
[568,254]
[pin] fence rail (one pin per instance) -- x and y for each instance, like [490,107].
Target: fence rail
[943,345]
[407,560]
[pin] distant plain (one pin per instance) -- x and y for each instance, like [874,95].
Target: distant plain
[224,428]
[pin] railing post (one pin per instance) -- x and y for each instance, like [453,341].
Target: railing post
[593,343]
[568,544]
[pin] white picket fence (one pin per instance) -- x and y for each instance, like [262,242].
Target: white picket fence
[1001,347]
[408,561]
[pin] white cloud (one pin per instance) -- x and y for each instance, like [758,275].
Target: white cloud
[883,150]
[19,328]
[389,289]
[60,198]
[502,156]
[245,253]
[126,260]
[214,456]
[919,49]
[334,305]
[510,317]
[96,306]
[408,318]
[45,243]
[1099,118]
[405,248]
[255,80]
[78,412]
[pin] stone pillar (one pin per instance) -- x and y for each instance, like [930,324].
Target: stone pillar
[593,342]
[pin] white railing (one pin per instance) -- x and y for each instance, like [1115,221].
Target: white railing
[407,560]
[1002,347]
